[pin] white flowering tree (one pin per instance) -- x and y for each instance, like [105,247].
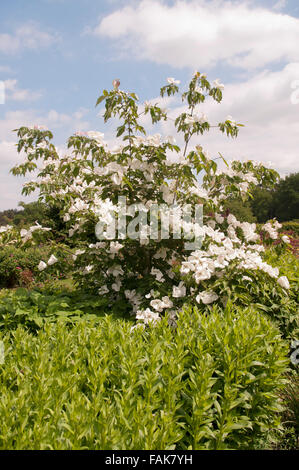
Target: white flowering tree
[150,274]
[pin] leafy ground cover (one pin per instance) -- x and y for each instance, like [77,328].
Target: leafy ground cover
[211,382]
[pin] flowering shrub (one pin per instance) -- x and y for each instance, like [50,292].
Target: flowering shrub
[148,272]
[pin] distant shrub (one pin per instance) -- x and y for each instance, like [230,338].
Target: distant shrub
[18,267]
[292,226]
[211,382]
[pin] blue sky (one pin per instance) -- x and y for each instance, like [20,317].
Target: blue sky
[56,56]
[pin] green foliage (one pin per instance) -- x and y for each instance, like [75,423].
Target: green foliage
[252,289]
[282,202]
[210,383]
[286,198]
[262,204]
[290,417]
[7,216]
[14,262]
[241,210]
[34,309]
[31,213]
[284,307]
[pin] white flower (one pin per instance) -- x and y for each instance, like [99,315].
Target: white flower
[52,260]
[217,84]
[158,274]
[283,282]
[157,304]
[117,178]
[151,294]
[271,230]
[5,228]
[232,121]
[246,278]
[179,291]
[42,265]
[116,285]
[115,271]
[203,118]
[219,219]
[167,302]
[103,290]
[88,269]
[243,186]
[167,194]
[97,136]
[285,239]
[207,297]
[147,316]
[189,120]
[24,233]
[170,140]
[172,81]
[249,231]
[160,305]
[115,247]
[231,219]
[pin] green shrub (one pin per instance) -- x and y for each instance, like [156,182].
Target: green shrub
[19,266]
[290,416]
[14,261]
[212,382]
[283,306]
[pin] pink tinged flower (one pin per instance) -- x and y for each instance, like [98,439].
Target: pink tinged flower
[80,134]
[283,282]
[116,83]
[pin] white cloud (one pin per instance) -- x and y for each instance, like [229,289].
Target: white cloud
[263,105]
[12,92]
[27,36]
[201,33]
[280,5]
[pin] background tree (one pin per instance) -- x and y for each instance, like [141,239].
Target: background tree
[286,198]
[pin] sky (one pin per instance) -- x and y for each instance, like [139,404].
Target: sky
[56,57]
